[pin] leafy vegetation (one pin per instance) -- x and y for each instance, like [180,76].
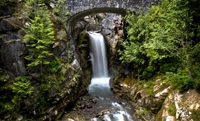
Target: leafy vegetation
[6,2]
[21,88]
[141,112]
[40,37]
[46,72]
[195,114]
[172,110]
[61,11]
[5,103]
[165,39]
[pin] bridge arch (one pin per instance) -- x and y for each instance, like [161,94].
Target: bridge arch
[81,8]
[73,19]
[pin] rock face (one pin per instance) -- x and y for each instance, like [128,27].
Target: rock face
[12,53]
[12,62]
[10,24]
[162,103]
[5,11]
[112,28]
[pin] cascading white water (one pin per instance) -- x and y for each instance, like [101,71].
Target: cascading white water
[100,82]
[98,55]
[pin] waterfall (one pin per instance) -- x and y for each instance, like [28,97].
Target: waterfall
[98,55]
[99,86]
[100,81]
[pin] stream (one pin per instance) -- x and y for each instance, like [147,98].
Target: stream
[107,106]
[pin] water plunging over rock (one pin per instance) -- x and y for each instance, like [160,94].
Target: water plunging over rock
[98,55]
[99,87]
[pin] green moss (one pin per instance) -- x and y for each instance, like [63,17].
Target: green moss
[147,72]
[6,97]
[159,116]
[83,43]
[141,112]
[181,80]
[147,85]
[196,115]
[150,84]
[172,110]
[6,2]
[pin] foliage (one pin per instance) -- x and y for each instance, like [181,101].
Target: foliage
[182,81]
[167,31]
[157,34]
[172,110]
[147,72]
[33,6]
[54,66]
[61,11]
[39,38]
[5,103]
[147,86]
[141,112]
[22,88]
[195,114]
[6,2]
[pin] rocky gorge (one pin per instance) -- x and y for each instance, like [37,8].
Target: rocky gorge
[13,51]
[155,101]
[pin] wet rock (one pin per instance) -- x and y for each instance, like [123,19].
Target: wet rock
[104,112]
[10,24]
[52,5]
[87,18]
[19,118]
[162,94]
[170,118]
[186,105]
[75,64]
[89,106]
[4,11]
[93,100]
[69,119]
[82,106]
[61,35]
[12,55]
[60,49]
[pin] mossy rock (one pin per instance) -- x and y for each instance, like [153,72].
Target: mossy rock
[83,43]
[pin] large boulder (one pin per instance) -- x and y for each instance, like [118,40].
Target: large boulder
[5,11]
[10,24]
[12,53]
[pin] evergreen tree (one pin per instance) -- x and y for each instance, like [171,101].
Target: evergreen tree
[39,38]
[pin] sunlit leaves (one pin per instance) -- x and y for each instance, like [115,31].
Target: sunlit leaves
[158,33]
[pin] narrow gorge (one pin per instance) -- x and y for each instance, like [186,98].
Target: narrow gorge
[105,60]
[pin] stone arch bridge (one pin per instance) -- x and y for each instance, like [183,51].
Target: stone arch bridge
[81,8]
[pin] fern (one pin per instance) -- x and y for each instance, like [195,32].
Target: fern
[22,88]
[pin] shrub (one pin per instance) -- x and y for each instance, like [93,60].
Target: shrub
[6,2]
[182,81]
[5,103]
[172,110]
[21,88]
